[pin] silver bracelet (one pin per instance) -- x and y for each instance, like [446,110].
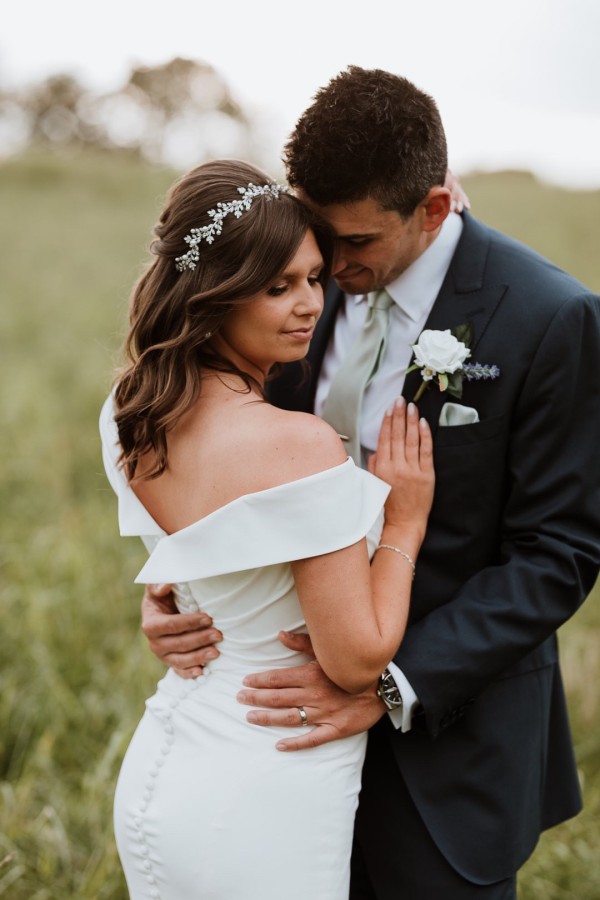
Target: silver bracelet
[404,555]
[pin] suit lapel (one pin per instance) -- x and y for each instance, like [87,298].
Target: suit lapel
[323,332]
[465,296]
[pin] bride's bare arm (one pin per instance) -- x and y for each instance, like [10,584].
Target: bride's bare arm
[356,613]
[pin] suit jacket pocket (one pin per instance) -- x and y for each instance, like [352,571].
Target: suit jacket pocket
[458,435]
[470,486]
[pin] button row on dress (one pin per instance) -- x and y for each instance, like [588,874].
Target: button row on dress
[169,740]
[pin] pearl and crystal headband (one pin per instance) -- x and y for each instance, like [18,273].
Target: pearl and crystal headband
[208,232]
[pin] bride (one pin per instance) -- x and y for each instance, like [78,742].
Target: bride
[259,518]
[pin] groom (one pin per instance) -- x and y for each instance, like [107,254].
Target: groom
[469,754]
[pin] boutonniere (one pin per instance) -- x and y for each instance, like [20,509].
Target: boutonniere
[442,355]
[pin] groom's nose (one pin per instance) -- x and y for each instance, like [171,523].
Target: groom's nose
[340,260]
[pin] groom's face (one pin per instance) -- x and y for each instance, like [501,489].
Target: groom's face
[373,245]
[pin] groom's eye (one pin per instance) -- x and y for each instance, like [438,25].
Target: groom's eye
[356,241]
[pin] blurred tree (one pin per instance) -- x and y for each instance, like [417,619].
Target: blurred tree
[179,113]
[56,112]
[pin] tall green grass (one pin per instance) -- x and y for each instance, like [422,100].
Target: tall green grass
[74,668]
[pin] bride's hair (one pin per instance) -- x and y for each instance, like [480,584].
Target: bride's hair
[173,313]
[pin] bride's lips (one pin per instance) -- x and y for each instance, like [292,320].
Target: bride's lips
[300,334]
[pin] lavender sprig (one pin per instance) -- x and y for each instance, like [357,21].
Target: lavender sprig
[476,372]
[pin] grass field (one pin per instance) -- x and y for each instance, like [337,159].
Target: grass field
[74,668]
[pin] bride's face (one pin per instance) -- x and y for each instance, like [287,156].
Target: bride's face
[277,325]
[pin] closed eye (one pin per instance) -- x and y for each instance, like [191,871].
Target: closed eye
[356,241]
[277,290]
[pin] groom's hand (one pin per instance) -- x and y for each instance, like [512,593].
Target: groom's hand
[331,712]
[183,641]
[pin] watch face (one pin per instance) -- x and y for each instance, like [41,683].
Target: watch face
[389,692]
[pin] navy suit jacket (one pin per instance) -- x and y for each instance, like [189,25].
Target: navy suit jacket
[512,550]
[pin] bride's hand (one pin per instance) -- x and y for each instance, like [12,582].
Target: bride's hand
[458,197]
[404,458]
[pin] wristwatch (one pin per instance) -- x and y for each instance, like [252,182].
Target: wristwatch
[388,691]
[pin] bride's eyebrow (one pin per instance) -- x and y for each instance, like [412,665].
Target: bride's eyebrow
[317,265]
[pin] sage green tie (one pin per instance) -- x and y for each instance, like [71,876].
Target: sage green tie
[344,401]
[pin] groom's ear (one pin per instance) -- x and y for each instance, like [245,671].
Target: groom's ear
[435,207]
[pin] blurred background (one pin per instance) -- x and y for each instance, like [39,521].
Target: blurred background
[100,109]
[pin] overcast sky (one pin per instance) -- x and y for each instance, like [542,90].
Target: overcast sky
[517,81]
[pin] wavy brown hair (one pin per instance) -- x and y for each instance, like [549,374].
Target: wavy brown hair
[172,313]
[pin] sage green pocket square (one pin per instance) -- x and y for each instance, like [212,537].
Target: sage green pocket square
[455,414]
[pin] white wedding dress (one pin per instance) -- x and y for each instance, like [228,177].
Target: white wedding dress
[206,808]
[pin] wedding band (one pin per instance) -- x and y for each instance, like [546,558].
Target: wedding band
[303,716]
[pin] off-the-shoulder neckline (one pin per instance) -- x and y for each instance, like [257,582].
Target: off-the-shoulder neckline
[243,497]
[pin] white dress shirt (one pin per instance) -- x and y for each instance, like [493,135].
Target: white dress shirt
[414,292]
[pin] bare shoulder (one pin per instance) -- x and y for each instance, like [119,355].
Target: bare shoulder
[247,449]
[299,444]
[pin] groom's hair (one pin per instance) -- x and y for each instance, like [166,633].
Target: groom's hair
[368,134]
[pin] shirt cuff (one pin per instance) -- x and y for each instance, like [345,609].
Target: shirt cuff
[402,718]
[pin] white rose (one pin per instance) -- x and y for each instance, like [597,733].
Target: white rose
[439,352]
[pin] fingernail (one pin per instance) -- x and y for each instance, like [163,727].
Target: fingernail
[389,410]
[400,402]
[412,409]
[211,654]
[280,747]
[423,422]
[252,717]
[241,697]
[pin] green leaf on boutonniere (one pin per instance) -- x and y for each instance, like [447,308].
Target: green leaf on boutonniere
[455,384]
[443,381]
[463,333]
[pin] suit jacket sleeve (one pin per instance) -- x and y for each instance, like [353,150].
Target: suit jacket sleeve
[550,530]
